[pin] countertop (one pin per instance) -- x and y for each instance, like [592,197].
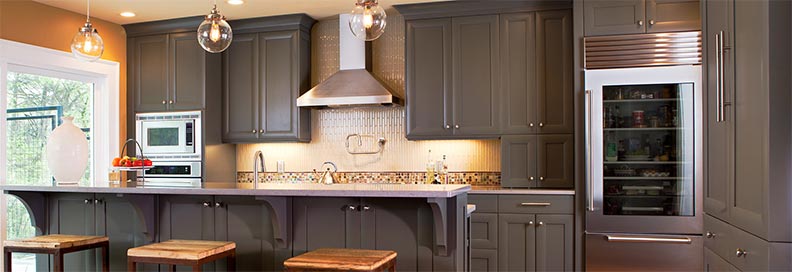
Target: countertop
[272,189]
[497,190]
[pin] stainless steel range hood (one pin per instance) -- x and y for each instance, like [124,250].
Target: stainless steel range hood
[353,85]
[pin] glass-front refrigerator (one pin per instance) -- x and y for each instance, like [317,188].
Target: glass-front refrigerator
[643,166]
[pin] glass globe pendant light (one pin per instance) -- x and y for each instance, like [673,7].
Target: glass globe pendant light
[87,45]
[214,33]
[367,20]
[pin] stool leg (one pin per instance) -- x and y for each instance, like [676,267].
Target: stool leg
[131,265]
[197,268]
[106,257]
[7,259]
[231,260]
[172,268]
[57,264]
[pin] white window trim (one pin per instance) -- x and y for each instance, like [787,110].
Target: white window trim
[106,78]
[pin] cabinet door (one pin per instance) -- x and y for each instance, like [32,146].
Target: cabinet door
[74,214]
[484,230]
[555,161]
[613,17]
[714,263]
[187,72]
[517,244]
[554,242]
[518,73]
[484,260]
[476,94]
[150,62]
[672,15]
[404,226]
[428,78]
[246,221]
[320,222]
[187,218]
[518,161]
[719,134]
[240,89]
[555,108]
[118,219]
[278,84]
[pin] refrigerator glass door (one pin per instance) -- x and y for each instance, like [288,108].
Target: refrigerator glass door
[643,165]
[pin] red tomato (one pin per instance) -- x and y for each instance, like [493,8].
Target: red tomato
[147,162]
[138,163]
[129,163]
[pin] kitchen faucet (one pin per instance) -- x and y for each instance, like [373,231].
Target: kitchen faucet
[256,158]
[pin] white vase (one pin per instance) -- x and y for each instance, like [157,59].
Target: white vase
[67,153]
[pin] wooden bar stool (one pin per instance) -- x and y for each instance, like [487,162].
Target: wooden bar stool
[340,259]
[193,253]
[57,245]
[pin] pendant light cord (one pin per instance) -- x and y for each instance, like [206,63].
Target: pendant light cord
[88,12]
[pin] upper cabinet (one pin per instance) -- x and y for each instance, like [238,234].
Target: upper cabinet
[264,71]
[484,76]
[614,17]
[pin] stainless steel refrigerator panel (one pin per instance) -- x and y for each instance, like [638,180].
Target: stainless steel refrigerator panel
[637,252]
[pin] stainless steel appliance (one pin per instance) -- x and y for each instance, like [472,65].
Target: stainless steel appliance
[170,135]
[644,168]
[172,140]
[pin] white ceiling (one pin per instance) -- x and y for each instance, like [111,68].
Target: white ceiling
[153,10]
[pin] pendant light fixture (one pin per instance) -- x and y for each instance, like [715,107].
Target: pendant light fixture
[87,45]
[368,20]
[214,33]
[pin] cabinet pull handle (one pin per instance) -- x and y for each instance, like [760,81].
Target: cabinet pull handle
[709,235]
[589,155]
[741,253]
[640,22]
[535,204]
[720,59]
[640,239]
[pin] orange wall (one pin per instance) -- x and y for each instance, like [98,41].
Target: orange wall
[33,23]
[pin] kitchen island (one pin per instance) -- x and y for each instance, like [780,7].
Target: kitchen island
[425,224]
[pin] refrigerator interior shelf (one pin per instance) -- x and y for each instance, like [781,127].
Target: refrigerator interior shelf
[640,100]
[642,129]
[644,178]
[643,209]
[644,162]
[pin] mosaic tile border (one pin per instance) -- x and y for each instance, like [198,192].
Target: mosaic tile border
[472,178]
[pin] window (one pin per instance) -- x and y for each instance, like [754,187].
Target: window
[38,86]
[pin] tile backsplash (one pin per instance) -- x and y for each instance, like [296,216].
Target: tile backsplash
[473,178]
[330,127]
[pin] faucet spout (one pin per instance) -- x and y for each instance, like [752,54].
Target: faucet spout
[258,165]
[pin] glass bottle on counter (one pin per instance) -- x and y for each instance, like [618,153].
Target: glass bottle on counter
[430,169]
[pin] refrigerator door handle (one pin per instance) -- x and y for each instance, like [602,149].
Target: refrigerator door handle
[647,239]
[589,155]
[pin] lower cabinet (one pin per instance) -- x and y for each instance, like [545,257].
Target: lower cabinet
[510,240]
[714,263]
[369,223]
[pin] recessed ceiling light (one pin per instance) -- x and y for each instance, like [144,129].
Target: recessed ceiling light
[128,14]
[235,2]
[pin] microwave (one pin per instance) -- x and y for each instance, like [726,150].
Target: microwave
[170,135]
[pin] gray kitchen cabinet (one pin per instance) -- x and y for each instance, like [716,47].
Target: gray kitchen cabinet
[517,242]
[537,161]
[475,46]
[616,17]
[168,72]
[484,260]
[714,263]
[554,242]
[187,218]
[536,61]
[148,67]
[428,78]
[484,230]
[117,219]
[321,222]
[610,17]
[672,15]
[72,214]
[747,162]
[264,73]
[403,226]
[247,222]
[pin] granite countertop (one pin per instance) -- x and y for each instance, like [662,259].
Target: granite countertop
[273,189]
[497,190]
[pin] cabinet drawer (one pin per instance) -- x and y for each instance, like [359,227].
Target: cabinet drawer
[484,203]
[726,240]
[714,263]
[535,204]
[484,231]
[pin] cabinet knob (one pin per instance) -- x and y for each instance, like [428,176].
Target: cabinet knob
[741,252]
[540,224]
[170,102]
[541,124]
[351,207]
[709,235]
[88,201]
[218,204]
[531,178]
[254,131]
[261,131]
[163,102]
[456,126]
[530,124]
[447,126]
[207,204]
[530,223]
[97,201]
[651,22]
[366,208]
[640,22]
[541,178]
